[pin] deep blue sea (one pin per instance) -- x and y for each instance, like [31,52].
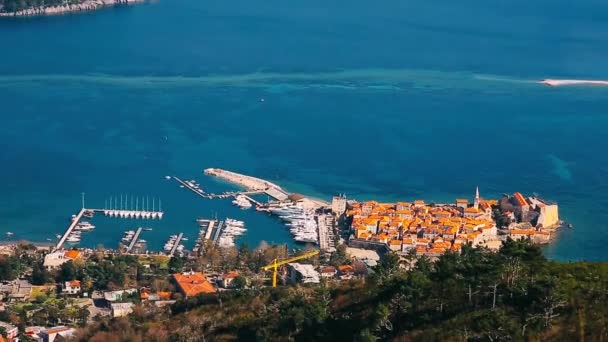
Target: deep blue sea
[386,100]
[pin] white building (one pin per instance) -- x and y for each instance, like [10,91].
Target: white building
[11,330]
[71,287]
[114,296]
[303,273]
[338,205]
[54,260]
[121,309]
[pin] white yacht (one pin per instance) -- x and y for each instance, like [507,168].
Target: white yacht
[242,202]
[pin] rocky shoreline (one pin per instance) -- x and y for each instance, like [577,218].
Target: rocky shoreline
[88,5]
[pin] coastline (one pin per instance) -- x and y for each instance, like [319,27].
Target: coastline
[86,6]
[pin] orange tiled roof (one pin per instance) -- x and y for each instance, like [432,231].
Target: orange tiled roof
[231,275]
[72,254]
[345,268]
[193,283]
[75,283]
[164,295]
[520,199]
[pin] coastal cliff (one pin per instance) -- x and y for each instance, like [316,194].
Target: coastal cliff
[86,5]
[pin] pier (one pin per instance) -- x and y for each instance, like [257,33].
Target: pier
[134,240]
[176,244]
[249,183]
[75,221]
[200,192]
[218,231]
[209,229]
[251,200]
[188,185]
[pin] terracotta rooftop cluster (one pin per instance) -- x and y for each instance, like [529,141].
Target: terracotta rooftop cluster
[430,229]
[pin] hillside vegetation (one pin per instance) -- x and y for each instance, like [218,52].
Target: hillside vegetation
[477,295]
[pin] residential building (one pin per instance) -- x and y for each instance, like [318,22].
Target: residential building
[338,205]
[54,260]
[16,290]
[11,331]
[462,203]
[227,279]
[327,271]
[71,287]
[117,296]
[303,273]
[191,284]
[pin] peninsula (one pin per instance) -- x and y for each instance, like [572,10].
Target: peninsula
[20,8]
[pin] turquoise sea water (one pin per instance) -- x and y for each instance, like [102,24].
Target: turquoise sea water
[388,100]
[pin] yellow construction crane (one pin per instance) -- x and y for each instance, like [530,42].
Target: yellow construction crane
[275,265]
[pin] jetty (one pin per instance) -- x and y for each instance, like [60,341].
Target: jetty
[71,227]
[249,183]
[134,239]
[176,244]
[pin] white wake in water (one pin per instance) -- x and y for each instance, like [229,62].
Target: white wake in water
[560,82]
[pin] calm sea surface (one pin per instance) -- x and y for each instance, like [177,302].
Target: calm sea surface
[385,100]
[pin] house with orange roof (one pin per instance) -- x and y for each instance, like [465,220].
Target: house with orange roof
[394,245]
[402,206]
[71,287]
[418,203]
[520,199]
[368,206]
[517,234]
[472,212]
[462,203]
[191,284]
[228,278]
[408,244]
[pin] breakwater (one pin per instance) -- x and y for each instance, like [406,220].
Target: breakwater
[85,6]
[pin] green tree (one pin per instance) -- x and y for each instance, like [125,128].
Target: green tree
[176,265]
[68,271]
[239,282]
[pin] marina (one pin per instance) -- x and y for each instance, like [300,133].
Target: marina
[295,212]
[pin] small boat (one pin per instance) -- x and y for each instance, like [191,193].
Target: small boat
[58,236]
[167,177]
[570,225]
[9,233]
[148,229]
